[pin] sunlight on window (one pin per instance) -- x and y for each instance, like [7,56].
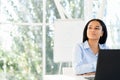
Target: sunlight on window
[6,39]
[113,22]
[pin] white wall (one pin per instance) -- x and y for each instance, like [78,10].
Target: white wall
[67,33]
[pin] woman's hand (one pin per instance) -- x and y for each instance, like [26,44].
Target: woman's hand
[86,74]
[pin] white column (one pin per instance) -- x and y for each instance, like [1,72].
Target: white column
[60,9]
[44,38]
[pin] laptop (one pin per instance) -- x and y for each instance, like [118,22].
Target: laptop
[108,65]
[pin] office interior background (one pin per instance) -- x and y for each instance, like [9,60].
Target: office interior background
[27,33]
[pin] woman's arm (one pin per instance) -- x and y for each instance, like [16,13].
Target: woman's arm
[79,64]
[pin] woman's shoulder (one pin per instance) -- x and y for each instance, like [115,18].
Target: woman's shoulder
[103,46]
[82,44]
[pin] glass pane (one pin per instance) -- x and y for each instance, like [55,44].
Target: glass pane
[21,10]
[51,11]
[113,22]
[69,8]
[20,52]
[51,66]
[73,8]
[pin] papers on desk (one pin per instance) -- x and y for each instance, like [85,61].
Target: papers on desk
[64,77]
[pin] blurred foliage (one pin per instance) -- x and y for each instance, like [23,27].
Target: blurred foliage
[23,59]
[74,8]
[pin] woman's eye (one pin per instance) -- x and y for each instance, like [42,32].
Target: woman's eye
[89,28]
[97,28]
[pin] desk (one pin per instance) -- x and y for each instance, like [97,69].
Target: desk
[64,77]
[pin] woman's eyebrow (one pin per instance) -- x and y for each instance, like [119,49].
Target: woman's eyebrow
[97,26]
[89,25]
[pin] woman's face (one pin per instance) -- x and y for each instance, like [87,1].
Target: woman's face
[94,30]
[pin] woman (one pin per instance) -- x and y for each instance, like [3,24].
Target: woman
[86,53]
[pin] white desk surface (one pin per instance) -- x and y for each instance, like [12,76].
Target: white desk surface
[64,77]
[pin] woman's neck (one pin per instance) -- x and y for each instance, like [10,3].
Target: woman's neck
[94,45]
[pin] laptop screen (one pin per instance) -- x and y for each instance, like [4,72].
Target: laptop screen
[108,65]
